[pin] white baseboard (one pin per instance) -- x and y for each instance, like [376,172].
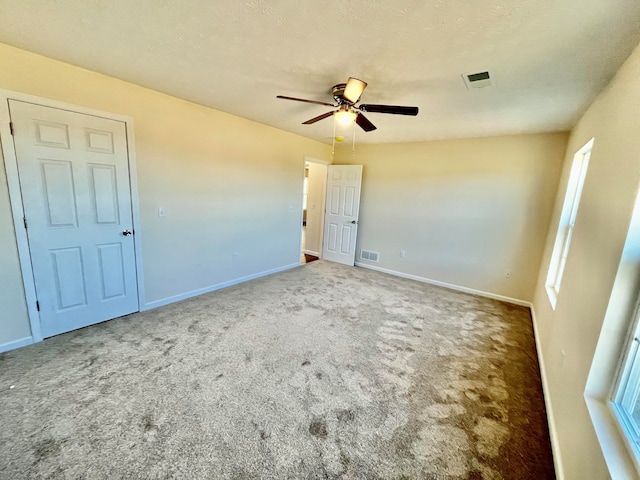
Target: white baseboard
[21,342]
[515,301]
[551,422]
[213,288]
[311,252]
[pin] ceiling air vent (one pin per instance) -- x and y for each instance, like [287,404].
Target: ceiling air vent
[477,80]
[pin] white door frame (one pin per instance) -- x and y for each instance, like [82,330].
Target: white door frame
[324,199]
[15,195]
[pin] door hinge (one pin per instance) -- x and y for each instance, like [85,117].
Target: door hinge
[37,305]
[24,219]
[11,127]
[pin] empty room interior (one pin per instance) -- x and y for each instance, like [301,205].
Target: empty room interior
[320,239]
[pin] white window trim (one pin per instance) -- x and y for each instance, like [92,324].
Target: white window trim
[602,395]
[566,225]
[611,356]
[615,448]
[626,392]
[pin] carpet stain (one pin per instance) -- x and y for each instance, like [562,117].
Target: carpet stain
[346,415]
[306,363]
[46,448]
[318,428]
[90,361]
[148,424]
[476,475]
[193,327]
[168,350]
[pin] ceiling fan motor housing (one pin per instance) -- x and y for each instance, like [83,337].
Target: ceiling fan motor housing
[338,94]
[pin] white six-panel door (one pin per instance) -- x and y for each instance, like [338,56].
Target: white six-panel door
[74,178]
[341,216]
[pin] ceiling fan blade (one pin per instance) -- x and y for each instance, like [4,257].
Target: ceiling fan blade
[395,109]
[306,101]
[318,118]
[364,123]
[354,89]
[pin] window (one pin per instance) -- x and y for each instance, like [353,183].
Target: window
[567,221]
[626,397]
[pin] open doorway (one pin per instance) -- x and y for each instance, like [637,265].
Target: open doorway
[314,192]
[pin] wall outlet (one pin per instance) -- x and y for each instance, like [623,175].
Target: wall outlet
[507,273]
[291,209]
[162,212]
[403,254]
[235,256]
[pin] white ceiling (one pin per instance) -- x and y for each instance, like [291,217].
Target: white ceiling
[548,58]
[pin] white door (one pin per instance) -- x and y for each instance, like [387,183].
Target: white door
[341,217]
[74,179]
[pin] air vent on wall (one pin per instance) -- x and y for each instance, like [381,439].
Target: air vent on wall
[368,255]
[477,80]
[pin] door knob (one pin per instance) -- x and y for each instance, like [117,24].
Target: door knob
[126,233]
[354,222]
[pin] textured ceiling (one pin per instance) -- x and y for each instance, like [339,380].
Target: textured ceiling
[548,58]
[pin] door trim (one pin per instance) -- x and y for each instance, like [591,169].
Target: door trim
[324,199]
[15,195]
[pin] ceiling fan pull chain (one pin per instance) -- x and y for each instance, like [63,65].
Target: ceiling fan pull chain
[353,147]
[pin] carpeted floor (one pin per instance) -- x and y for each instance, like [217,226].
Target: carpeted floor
[324,371]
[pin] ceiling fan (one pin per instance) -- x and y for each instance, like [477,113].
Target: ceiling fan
[346,96]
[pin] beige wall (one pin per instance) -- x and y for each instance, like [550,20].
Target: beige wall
[464,211]
[226,184]
[569,335]
[315,203]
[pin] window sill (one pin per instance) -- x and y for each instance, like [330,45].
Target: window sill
[553,296]
[616,455]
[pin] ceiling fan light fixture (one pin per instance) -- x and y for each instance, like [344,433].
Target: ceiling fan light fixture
[345,117]
[353,89]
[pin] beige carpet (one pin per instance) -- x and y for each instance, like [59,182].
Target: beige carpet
[324,371]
